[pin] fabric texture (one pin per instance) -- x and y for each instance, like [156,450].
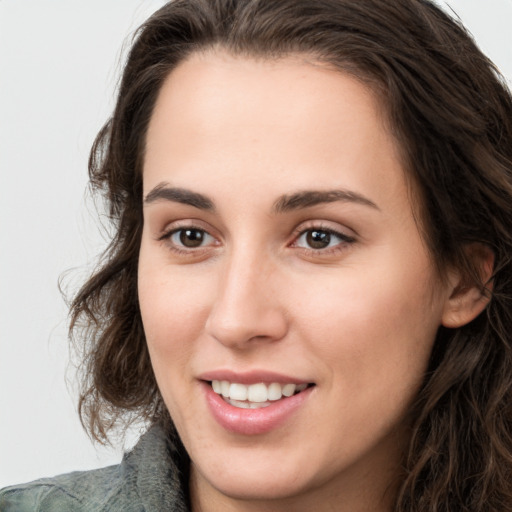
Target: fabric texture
[150,478]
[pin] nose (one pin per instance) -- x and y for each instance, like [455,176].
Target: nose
[247,308]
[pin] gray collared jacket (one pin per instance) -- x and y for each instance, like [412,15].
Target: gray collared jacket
[147,480]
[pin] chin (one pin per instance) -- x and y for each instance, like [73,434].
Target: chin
[255,473]
[253,486]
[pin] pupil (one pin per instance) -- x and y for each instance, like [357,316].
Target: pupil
[191,237]
[318,239]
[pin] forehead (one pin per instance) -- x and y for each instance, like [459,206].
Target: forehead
[273,124]
[217,87]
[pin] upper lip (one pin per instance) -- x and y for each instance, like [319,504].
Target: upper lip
[251,377]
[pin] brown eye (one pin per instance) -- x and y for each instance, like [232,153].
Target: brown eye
[317,239]
[190,238]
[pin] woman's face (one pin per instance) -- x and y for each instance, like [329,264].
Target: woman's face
[279,249]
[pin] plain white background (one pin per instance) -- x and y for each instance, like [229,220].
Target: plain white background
[59,64]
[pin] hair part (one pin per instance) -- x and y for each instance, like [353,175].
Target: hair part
[451,114]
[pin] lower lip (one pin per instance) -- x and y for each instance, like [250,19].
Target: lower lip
[253,421]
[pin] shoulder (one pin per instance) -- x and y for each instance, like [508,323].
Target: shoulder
[70,492]
[147,480]
[82,491]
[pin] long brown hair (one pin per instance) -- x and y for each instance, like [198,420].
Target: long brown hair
[451,113]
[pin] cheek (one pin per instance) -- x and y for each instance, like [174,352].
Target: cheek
[374,329]
[172,309]
[172,314]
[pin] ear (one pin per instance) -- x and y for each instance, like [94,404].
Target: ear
[468,298]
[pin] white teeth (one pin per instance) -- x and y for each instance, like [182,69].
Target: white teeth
[274,391]
[247,405]
[289,389]
[224,388]
[255,395]
[238,392]
[216,385]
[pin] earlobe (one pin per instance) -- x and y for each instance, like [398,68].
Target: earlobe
[468,297]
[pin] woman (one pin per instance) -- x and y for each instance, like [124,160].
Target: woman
[308,294]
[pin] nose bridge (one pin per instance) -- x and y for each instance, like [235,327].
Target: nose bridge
[246,306]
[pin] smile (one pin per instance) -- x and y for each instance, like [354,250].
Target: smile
[257,407]
[254,396]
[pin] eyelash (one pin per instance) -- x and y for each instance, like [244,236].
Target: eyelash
[344,240]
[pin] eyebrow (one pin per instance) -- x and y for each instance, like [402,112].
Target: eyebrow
[309,198]
[179,195]
[285,203]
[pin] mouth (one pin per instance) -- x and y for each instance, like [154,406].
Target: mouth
[254,403]
[255,396]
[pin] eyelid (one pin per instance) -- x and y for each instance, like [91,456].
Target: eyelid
[321,225]
[177,225]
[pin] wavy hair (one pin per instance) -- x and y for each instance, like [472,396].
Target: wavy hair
[451,113]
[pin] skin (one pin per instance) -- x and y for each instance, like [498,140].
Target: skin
[357,318]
